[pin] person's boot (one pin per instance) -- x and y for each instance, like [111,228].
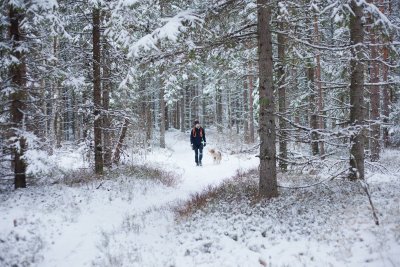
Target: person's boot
[200,164]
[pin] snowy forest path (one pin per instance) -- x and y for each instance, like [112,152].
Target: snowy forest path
[147,215]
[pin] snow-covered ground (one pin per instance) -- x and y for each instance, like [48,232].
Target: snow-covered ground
[130,221]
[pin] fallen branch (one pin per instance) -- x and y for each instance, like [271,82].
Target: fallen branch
[118,148]
[251,149]
[100,185]
[311,185]
[364,185]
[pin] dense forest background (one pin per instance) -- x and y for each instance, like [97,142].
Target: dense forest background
[101,76]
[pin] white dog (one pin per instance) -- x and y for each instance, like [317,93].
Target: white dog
[217,156]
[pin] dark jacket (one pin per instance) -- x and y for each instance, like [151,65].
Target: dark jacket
[197,136]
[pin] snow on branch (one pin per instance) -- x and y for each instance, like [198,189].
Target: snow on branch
[44,4]
[339,7]
[380,17]
[169,31]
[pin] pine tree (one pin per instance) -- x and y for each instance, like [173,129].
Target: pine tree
[357,112]
[97,96]
[18,96]
[268,182]
[282,99]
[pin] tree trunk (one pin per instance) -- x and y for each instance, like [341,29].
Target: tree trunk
[385,90]
[313,112]
[78,120]
[143,107]
[53,116]
[98,151]
[177,118]
[42,120]
[203,101]
[197,101]
[386,97]
[182,111]
[174,115]
[375,130]
[162,116]
[282,99]
[18,96]
[106,104]
[251,114]
[58,121]
[268,186]
[163,107]
[118,148]
[167,117]
[356,93]
[320,104]
[219,108]
[149,122]
[229,108]
[245,112]
[238,111]
[55,119]
[188,109]
[181,114]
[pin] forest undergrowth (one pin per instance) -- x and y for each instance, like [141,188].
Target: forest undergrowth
[313,213]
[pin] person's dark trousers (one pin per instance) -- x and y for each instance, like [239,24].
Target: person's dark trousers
[198,156]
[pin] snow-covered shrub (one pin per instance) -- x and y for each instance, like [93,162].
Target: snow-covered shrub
[148,172]
[49,168]
[238,187]
[22,245]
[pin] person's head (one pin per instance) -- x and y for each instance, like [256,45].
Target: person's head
[197,123]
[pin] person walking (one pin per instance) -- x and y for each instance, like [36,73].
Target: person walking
[197,142]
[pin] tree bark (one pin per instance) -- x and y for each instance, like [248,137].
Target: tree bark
[18,96]
[42,119]
[203,101]
[268,186]
[187,120]
[313,111]
[106,104]
[162,116]
[375,130]
[167,117]
[55,119]
[58,120]
[245,112]
[385,88]
[149,122]
[251,114]
[178,115]
[118,148]
[237,110]
[229,109]
[318,83]
[386,98]
[218,99]
[282,99]
[182,111]
[78,120]
[163,107]
[188,108]
[356,93]
[97,99]
[197,101]
[53,116]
